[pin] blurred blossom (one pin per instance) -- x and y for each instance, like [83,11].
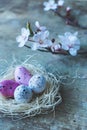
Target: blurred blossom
[23,38]
[60,2]
[70,42]
[50,5]
[68,9]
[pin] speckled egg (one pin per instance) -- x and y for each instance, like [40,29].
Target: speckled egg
[37,83]
[7,88]
[22,94]
[22,75]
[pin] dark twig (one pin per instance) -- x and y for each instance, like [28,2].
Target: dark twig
[49,50]
[69,20]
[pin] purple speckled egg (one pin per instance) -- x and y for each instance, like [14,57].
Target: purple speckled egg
[22,75]
[7,88]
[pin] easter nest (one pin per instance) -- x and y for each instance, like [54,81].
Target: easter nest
[40,104]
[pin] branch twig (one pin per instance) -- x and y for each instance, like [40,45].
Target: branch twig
[57,52]
[69,20]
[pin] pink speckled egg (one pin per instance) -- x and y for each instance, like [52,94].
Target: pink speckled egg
[7,88]
[22,75]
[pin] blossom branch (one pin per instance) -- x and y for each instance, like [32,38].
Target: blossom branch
[49,50]
[39,39]
[81,52]
[67,44]
[56,8]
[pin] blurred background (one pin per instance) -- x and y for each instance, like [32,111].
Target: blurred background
[71,114]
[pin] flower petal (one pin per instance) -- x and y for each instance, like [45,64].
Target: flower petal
[60,2]
[36,37]
[45,3]
[50,5]
[34,46]
[46,43]
[63,40]
[73,51]
[51,2]
[76,46]
[47,8]
[67,34]
[54,6]
[43,28]
[25,32]
[46,34]
[21,44]
[19,38]
[37,24]
[65,47]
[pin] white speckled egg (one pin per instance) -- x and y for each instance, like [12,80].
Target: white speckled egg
[37,83]
[22,94]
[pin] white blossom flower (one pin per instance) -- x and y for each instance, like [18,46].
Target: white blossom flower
[23,38]
[60,2]
[70,42]
[41,40]
[41,28]
[50,5]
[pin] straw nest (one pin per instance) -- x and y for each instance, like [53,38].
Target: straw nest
[40,104]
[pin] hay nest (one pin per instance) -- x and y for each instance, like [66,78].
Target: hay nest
[42,103]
